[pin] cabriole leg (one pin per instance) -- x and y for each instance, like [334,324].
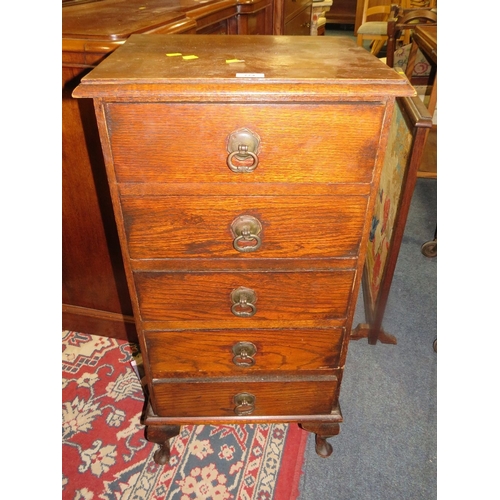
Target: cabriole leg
[323,431]
[161,435]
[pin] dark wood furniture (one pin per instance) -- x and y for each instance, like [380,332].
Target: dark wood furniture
[243,194]
[342,12]
[94,293]
[406,19]
[425,39]
[292,17]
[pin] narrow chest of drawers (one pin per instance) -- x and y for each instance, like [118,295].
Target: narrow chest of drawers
[243,171]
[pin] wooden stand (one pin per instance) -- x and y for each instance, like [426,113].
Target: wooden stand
[410,127]
[425,39]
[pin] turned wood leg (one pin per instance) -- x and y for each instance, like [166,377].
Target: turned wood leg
[323,431]
[161,435]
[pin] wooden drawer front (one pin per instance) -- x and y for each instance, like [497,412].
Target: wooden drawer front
[288,296]
[300,24]
[216,397]
[299,143]
[292,226]
[293,7]
[220,28]
[198,353]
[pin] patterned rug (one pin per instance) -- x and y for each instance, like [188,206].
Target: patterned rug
[105,455]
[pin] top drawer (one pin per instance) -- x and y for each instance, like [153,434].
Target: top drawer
[297,143]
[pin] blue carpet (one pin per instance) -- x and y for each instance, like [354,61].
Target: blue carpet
[386,449]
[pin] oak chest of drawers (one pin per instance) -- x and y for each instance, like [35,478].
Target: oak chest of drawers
[243,171]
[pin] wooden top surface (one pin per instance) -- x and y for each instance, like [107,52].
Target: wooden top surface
[426,38]
[304,66]
[427,32]
[118,19]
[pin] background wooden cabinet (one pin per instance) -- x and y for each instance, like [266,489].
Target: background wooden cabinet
[342,12]
[292,17]
[349,11]
[94,291]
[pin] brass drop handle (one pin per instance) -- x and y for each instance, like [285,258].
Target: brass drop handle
[245,403]
[246,230]
[243,354]
[243,300]
[242,146]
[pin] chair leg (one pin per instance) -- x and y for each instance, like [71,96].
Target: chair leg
[433,98]
[377,46]
[410,66]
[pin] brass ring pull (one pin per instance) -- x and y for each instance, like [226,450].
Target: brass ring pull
[243,300]
[243,354]
[245,403]
[243,145]
[246,229]
[244,238]
[242,153]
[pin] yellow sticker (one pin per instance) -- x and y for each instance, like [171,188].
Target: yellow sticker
[230,61]
[189,57]
[172,54]
[142,8]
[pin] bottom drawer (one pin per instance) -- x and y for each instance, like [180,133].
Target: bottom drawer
[269,396]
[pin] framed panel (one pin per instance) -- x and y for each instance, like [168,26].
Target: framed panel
[410,126]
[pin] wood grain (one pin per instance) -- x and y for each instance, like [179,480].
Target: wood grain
[286,296]
[278,396]
[194,227]
[338,150]
[198,353]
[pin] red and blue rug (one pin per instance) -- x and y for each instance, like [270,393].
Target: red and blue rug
[106,456]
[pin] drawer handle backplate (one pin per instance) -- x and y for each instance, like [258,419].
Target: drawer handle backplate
[245,403]
[243,354]
[246,229]
[243,146]
[243,300]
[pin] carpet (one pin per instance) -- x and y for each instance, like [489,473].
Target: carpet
[106,456]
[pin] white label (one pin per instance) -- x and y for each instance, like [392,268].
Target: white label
[250,75]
